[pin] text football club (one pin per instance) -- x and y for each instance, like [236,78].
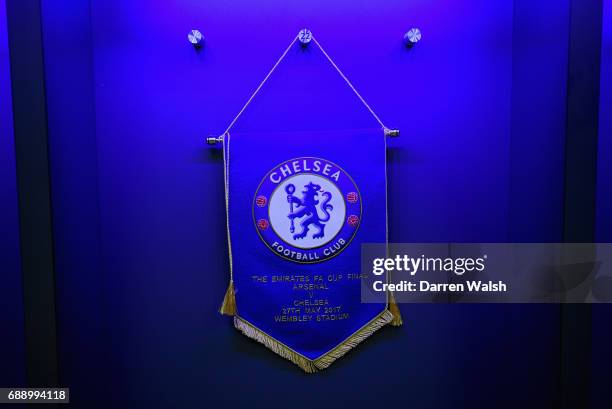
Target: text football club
[307,209]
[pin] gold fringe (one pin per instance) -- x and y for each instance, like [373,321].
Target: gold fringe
[228,307]
[276,346]
[351,342]
[322,362]
[394,309]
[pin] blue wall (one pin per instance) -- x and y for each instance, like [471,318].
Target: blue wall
[537,159]
[74,187]
[138,206]
[12,355]
[604,175]
[602,332]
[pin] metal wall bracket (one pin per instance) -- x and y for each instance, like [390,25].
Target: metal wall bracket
[213,140]
[392,133]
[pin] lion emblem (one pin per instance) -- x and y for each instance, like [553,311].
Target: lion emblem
[306,210]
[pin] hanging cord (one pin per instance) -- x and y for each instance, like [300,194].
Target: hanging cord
[259,86]
[349,84]
[228,306]
[386,130]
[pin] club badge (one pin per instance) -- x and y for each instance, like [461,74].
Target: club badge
[307,210]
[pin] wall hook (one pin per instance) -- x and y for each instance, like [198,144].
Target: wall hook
[305,36]
[196,38]
[412,37]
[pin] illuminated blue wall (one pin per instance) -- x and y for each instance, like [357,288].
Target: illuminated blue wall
[138,207]
[12,358]
[83,333]
[602,334]
[604,176]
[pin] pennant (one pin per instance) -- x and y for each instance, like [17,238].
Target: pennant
[299,206]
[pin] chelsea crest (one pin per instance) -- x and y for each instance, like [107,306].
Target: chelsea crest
[307,210]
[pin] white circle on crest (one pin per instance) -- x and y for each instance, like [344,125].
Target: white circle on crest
[280,208]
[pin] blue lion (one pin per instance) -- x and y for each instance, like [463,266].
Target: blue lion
[307,206]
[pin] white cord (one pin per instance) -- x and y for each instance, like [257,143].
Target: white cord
[276,65]
[226,158]
[259,86]
[349,83]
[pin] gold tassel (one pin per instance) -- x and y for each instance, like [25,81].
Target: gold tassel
[228,307]
[395,311]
